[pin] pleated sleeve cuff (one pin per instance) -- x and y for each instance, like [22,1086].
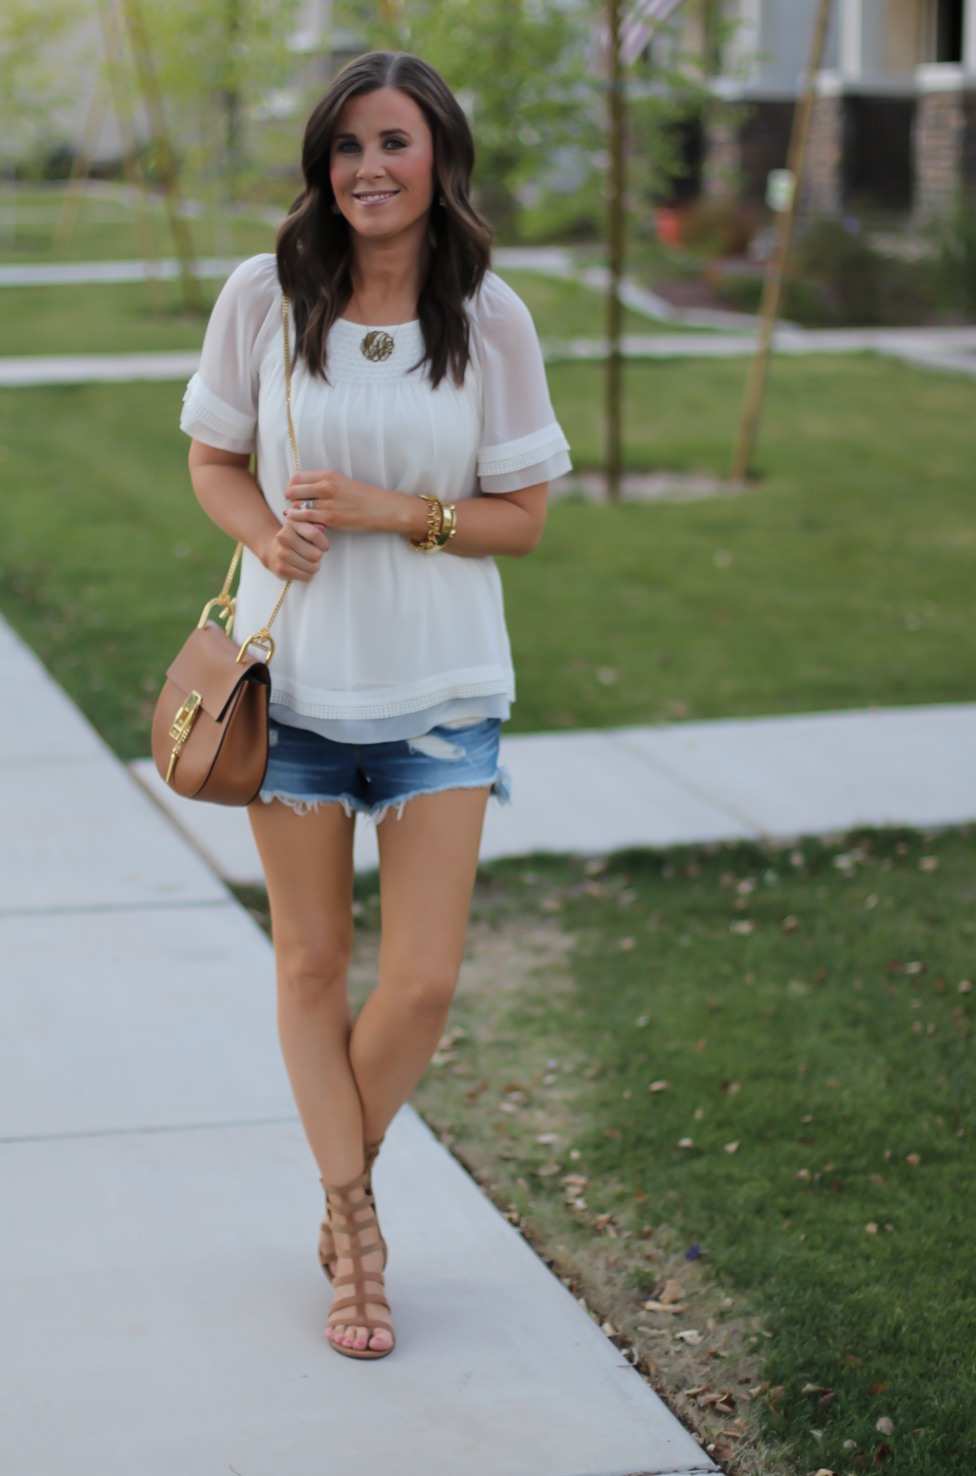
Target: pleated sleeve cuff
[539,457]
[212,421]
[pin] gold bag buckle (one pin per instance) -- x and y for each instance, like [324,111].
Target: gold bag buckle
[180,730]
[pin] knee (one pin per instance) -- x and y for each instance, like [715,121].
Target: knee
[312,971]
[426,997]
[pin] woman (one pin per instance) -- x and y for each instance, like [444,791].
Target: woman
[426,441]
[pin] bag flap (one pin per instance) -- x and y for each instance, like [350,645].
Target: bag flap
[208,664]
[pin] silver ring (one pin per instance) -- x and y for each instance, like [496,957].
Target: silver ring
[308,503]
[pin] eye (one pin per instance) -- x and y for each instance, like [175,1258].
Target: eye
[396,143]
[347,146]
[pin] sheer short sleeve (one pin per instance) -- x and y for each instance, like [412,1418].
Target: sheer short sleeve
[522,442]
[220,406]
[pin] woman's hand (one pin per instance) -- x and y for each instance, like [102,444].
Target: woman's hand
[339,502]
[295,551]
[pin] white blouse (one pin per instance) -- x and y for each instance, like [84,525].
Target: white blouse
[385,642]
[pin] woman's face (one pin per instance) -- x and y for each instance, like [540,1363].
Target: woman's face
[382,163]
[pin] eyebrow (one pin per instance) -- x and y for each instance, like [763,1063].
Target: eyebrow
[384,133]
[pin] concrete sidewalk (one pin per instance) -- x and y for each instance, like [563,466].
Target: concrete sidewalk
[159,1288]
[683,784]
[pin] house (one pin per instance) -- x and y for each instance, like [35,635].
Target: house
[894,123]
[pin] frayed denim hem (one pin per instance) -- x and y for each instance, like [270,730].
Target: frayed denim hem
[501,790]
[302,805]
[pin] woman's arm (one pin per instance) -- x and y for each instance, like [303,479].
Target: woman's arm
[495,523]
[231,498]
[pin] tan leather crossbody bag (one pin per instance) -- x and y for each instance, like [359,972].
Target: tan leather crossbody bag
[210,728]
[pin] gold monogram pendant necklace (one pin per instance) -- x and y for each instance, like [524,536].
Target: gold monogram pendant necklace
[377,345]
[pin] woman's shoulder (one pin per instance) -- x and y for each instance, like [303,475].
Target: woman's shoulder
[248,301]
[254,281]
[498,311]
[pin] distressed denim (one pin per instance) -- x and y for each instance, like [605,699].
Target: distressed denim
[306,770]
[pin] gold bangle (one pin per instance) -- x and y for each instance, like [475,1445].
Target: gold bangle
[435,524]
[448,524]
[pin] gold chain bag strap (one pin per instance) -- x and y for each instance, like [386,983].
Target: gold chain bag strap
[210,728]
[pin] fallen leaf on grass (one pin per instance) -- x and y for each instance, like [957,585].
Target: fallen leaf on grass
[929,863]
[672,1291]
[626,944]
[871,1227]
[964,986]
[691,1336]
[658,1086]
[473,1093]
[881,1454]
[745,927]
[723,1403]
[654,1306]
[686,1143]
[880,1389]
[731,1147]
[731,1087]
[790,924]
[913,1159]
[803,1174]
[546,1170]
[547,1137]
[884,1426]
[694,1393]
[609,1329]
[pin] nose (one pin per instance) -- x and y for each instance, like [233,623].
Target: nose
[372,165]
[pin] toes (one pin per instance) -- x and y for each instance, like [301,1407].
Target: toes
[380,1342]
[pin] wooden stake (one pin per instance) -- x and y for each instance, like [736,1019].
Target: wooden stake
[165,154]
[779,261]
[115,68]
[615,251]
[65,227]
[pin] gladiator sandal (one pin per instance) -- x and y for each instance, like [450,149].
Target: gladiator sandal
[327,1251]
[353,1218]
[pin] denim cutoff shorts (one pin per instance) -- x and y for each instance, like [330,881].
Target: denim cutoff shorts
[306,770]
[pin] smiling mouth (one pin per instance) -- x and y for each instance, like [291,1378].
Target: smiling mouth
[375,197]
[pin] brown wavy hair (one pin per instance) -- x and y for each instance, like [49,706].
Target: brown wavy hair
[313,243]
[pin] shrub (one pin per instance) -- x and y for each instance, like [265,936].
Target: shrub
[838,279]
[957,261]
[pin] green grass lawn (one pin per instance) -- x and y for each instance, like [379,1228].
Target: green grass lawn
[567,309]
[106,231]
[116,319]
[818,1081]
[845,579]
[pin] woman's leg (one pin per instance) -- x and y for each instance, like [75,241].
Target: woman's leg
[428,861]
[307,862]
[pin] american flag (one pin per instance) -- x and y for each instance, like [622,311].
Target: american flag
[637,26]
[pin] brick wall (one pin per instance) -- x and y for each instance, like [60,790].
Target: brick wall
[824,170]
[945,151]
[723,156]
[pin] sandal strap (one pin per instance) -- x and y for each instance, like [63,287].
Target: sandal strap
[352,1220]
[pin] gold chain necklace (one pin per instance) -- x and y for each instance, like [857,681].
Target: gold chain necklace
[377,345]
